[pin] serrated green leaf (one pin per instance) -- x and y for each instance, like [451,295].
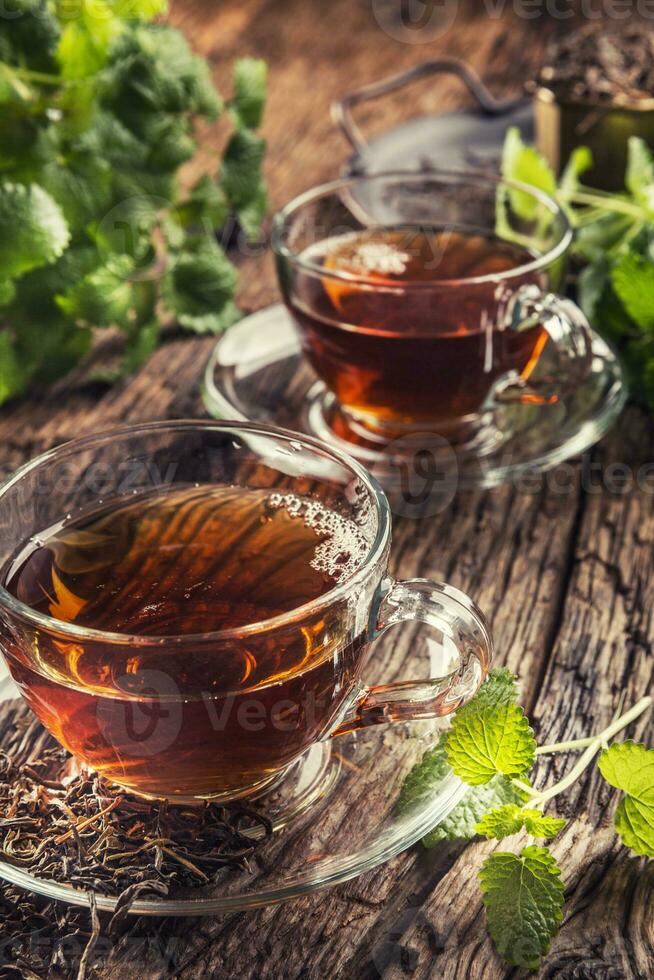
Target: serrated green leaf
[199,286]
[525,164]
[140,345]
[484,741]
[629,766]
[206,203]
[33,230]
[250,75]
[461,823]
[523,896]
[153,70]
[240,174]
[103,297]
[633,281]
[581,160]
[510,819]
[29,34]
[13,375]
[86,38]
[500,687]
[81,184]
[252,214]
[639,178]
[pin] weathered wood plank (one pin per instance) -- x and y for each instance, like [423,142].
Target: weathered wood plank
[563,578]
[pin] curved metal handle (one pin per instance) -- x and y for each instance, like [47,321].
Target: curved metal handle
[342,108]
[460,660]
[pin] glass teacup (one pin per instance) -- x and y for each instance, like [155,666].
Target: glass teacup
[188,606]
[425,300]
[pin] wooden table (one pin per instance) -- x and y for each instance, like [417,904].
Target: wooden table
[564,572]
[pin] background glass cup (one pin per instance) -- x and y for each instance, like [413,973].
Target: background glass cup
[438,352]
[163,721]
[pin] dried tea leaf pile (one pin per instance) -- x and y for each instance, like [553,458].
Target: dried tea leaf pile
[71,827]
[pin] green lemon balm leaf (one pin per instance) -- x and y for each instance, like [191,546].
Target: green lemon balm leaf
[240,174]
[103,297]
[486,741]
[500,687]
[639,178]
[199,286]
[462,822]
[33,230]
[511,819]
[85,40]
[581,160]
[525,164]
[523,896]
[425,779]
[629,766]
[250,75]
[13,374]
[633,281]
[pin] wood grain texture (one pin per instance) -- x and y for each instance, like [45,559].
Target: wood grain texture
[565,577]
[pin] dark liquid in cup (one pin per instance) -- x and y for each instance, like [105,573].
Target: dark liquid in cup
[206,717]
[421,354]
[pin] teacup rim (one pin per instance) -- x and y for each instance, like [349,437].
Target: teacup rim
[81,633]
[552,255]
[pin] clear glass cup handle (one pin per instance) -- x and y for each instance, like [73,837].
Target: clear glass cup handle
[462,656]
[571,336]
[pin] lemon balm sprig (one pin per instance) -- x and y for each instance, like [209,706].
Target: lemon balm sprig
[492,748]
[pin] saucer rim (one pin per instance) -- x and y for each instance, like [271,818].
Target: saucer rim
[349,866]
[589,432]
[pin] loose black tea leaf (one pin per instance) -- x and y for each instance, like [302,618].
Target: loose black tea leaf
[65,824]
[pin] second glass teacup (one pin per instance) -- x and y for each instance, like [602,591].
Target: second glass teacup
[425,300]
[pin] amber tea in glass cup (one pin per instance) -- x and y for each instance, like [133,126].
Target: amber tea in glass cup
[187,606]
[422,300]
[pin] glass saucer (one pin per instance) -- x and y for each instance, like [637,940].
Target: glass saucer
[257,373]
[335,816]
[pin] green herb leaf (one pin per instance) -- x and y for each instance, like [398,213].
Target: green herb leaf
[33,230]
[207,202]
[525,164]
[251,215]
[199,286]
[629,766]
[581,160]
[240,174]
[499,688]
[140,345]
[13,376]
[640,172]
[461,823]
[523,896]
[250,75]
[490,734]
[511,819]
[29,34]
[85,40]
[103,297]
[633,281]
